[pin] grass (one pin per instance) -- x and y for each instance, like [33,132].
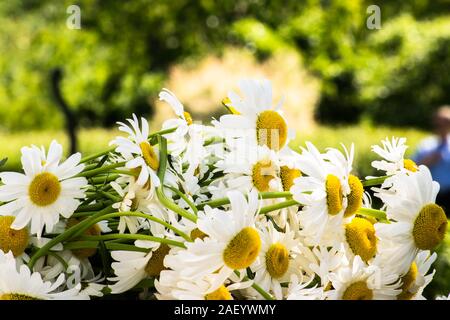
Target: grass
[90,141]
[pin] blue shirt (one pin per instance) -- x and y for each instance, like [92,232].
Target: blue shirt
[440,170]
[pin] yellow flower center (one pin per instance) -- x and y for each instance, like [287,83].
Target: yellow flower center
[263,172]
[358,291]
[91,231]
[188,117]
[243,249]
[407,282]
[277,260]
[156,263]
[44,189]
[355,197]
[149,155]
[220,294]
[12,240]
[198,234]
[16,296]
[288,176]
[271,129]
[334,194]
[360,236]
[410,165]
[430,227]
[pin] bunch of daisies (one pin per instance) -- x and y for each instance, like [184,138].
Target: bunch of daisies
[220,211]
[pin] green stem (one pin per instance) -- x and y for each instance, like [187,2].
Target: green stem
[185,198]
[97,155]
[255,286]
[93,207]
[374,181]
[132,237]
[262,195]
[136,214]
[97,171]
[378,214]
[278,206]
[63,236]
[160,190]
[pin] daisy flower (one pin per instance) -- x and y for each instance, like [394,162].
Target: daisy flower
[327,261]
[360,282]
[416,279]
[420,224]
[21,284]
[299,290]
[137,151]
[133,266]
[46,190]
[327,191]
[171,286]
[277,260]
[232,242]
[393,154]
[247,170]
[255,113]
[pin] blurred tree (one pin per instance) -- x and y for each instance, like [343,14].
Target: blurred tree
[116,63]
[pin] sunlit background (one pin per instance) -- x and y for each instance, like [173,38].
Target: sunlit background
[341,82]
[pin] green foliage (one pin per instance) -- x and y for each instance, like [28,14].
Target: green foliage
[117,62]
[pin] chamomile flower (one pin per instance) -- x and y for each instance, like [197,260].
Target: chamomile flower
[171,286]
[420,224]
[232,242]
[133,266]
[255,113]
[416,279]
[47,189]
[246,170]
[20,284]
[327,191]
[361,282]
[393,154]
[277,260]
[299,290]
[327,261]
[137,151]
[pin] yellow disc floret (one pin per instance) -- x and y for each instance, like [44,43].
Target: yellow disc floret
[93,230]
[243,249]
[149,155]
[355,198]
[271,130]
[221,293]
[198,234]
[408,281]
[277,260]
[44,189]
[12,240]
[262,173]
[156,263]
[357,291]
[288,176]
[187,117]
[16,296]
[360,236]
[429,227]
[410,165]
[334,194]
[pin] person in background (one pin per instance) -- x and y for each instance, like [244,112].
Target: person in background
[434,152]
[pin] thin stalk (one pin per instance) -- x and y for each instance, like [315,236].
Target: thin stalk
[378,214]
[97,171]
[185,198]
[262,195]
[374,181]
[63,236]
[132,237]
[278,206]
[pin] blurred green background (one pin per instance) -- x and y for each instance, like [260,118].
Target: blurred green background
[341,81]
